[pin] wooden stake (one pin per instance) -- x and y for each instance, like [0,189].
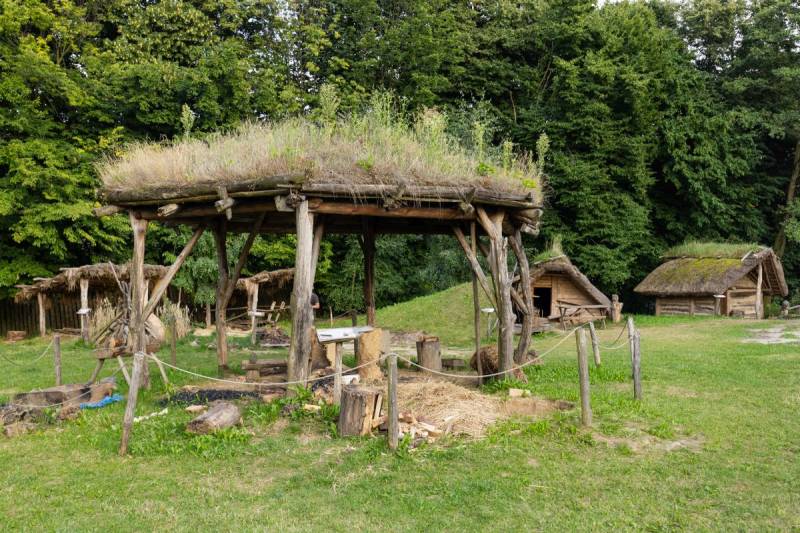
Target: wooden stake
[208,315]
[759,292]
[57,357]
[252,304]
[130,406]
[583,377]
[302,314]
[173,341]
[84,282]
[393,421]
[337,377]
[476,304]
[595,345]
[637,367]
[40,300]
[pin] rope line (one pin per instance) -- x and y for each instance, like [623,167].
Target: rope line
[27,363]
[613,345]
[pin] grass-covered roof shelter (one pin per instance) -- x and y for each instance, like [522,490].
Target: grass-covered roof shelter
[715,278]
[366,174]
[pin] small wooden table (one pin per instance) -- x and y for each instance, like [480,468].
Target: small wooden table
[335,337]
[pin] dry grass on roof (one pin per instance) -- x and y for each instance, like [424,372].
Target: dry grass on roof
[377,147]
[712,249]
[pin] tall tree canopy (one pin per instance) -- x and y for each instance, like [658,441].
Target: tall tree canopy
[666,120]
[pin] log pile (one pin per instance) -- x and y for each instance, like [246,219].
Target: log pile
[420,431]
[263,367]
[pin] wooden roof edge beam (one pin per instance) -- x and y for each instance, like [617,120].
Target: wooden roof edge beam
[352,209]
[107,210]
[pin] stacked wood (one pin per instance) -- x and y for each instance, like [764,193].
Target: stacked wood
[371,346]
[361,406]
[419,431]
[263,367]
[14,336]
[220,415]
[429,354]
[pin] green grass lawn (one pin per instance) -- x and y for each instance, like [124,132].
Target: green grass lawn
[737,403]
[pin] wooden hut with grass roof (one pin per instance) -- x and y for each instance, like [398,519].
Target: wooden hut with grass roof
[715,279]
[95,282]
[367,175]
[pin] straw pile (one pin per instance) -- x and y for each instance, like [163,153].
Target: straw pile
[446,405]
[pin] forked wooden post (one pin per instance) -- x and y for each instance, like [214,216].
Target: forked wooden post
[337,376]
[595,345]
[138,333]
[130,407]
[220,309]
[583,377]
[476,303]
[84,283]
[302,314]
[637,366]
[40,300]
[57,357]
[393,423]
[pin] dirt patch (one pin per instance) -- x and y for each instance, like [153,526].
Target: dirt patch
[466,411]
[774,335]
[643,443]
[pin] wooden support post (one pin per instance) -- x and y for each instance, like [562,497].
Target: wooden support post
[84,283]
[631,331]
[138,333]
[759,292]
[583,377]
[393,418]
[476,304]
[96,372]
[354,322]
[368,247]
[595,345]
[130,406]
[302,314]
[57,357]
[521,355]
[173,341]
[208,315]
[472,257]
[40,300]
[337,377]
[220,239]
[499,260]
[637,366]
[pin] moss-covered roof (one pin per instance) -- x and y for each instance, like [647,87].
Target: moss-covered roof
[732,250]
[685,276]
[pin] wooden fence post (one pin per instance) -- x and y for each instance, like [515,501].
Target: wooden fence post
[595,345]
[130,406]
[631,330]
[57,357]
[583,376]
[393,422]
[637,366]
[337,377]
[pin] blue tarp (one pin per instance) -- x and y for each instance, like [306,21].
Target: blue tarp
[102,403]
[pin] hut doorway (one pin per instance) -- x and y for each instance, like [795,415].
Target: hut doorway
[543,300]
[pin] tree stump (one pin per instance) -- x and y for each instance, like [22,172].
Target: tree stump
[371,346]
[360,406]
[429,353]
[221,415]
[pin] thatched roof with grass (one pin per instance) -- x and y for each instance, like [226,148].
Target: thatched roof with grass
[375,154]
[104,274]
[711,268]
[277,278]
[560,264]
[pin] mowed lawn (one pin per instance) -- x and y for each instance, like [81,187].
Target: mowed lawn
[730,410]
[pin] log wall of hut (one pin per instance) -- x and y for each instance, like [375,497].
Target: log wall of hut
[61,312]
[739,300]
[550,289]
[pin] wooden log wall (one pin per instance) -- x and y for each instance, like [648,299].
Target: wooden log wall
[61,312]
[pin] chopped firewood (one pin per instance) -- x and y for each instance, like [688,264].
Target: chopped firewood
[377,422]
[312,408]
[196,408]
